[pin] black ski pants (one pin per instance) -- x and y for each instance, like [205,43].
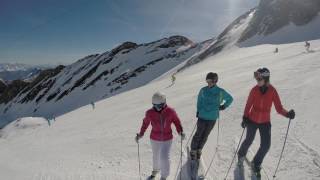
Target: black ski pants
[265,141]
[199,139]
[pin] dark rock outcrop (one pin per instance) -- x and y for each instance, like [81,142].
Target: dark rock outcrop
[124,46]
[12,90]
[176,41]
[42,82]
[3,86]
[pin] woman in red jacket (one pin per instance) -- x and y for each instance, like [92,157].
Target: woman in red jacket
[257,117]
[161,117]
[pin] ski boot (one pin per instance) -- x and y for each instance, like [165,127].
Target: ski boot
[241,161]
[153,175]
[194,164]
[256,170]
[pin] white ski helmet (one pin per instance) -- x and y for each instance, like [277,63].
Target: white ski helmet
[158,98]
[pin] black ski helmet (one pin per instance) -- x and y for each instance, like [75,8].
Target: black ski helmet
[263,73]
[212,76]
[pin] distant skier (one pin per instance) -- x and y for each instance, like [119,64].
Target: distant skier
[49,121]
[161,116]
[276,50]
[257,117]
[93,105]
[173,79]
[307,45]
[211,100]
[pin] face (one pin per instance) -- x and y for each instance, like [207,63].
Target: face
[261,82]
[210,82]
[159,107]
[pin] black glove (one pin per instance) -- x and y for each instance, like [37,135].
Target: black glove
[291,114]
[245,122]
[138,137]
[222,107]
[197,115]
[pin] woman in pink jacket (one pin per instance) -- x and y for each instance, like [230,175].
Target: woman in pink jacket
[161,117]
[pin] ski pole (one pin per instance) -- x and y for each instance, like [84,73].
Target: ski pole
[235,154]
[214,155]
[189,138]
[284,144]
[181,158]
[139,160]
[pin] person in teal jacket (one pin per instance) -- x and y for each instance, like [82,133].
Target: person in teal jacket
[211,100]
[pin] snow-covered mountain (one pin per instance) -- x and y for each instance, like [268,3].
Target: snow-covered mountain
[98,144]
[283,21]
[271,22]
[95,77]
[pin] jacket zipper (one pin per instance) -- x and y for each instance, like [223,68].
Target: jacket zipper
[261,107]
[162,126]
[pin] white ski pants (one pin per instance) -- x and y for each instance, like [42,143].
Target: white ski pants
[161,157]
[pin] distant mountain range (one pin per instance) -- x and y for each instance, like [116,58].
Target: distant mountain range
[15,71]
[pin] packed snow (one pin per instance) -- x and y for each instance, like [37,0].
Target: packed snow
[98,143]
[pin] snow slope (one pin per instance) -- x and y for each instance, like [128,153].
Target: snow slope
[93,144]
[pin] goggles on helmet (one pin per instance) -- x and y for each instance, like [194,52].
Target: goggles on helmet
[261,75]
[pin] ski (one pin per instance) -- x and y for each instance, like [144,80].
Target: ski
[254,175]
[240,169]
[201,170]
[263,173]
[247,165]
[195,168]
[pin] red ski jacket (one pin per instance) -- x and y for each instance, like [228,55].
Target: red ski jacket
[258,106]
[161,124]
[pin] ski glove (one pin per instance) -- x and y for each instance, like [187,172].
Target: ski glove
[183,136]
[138,137]
[291,114]
[245,122]
[222,107]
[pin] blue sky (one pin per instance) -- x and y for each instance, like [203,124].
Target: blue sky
[62,31]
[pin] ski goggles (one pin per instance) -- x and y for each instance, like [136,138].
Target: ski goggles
[260,76]
[159,107]
[211,80]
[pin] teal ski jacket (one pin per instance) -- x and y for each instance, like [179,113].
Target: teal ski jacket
[210,100]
